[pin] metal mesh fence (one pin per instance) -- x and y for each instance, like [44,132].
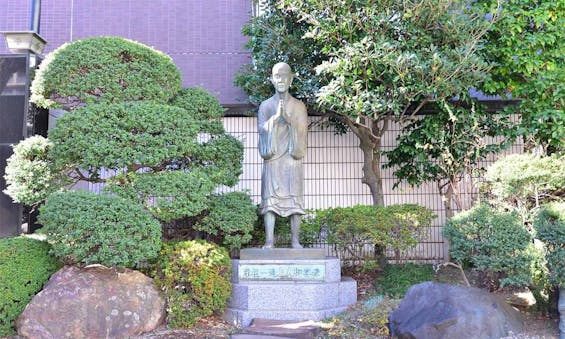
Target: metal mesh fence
[333,172]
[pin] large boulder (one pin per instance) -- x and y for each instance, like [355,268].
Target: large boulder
[93,302]
[435,310]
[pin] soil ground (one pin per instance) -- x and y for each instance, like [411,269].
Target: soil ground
[536,325]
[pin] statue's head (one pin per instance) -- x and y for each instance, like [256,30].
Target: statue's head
[281,77]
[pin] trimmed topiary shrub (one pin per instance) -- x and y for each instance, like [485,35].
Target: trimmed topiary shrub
[203,107]
[25,265]
[85,228]
[230,220]
[523,182]
[155,150]
[550,229]
[30,174]
[494,242]
[104,70]
[195,277]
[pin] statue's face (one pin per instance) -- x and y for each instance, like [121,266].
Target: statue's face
[281,79]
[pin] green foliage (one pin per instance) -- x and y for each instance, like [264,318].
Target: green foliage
[156,151]
[85,228]
[203,107]
[395,280]
[25,265]
[276,36]
[230,219]
[542,287]
[104,70]
[527,46]
[396,227]
[492,241]
[384,55]
[550,229]
[195,277]
[446,146]
[30,174]
[375,60]
[523,182]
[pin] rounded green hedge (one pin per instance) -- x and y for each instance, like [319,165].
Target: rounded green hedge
[495,242]
[550,228]
[85,228]
[25,265]
[195,277]
[104,69]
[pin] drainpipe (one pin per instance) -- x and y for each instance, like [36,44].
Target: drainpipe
[35,17]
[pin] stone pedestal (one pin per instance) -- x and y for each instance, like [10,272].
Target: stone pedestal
[287,284]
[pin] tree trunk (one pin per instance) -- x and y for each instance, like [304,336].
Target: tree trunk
[372,175]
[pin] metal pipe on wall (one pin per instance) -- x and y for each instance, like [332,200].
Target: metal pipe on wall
[35,17]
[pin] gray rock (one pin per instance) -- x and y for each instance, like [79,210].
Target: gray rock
[434,310]
[96,302]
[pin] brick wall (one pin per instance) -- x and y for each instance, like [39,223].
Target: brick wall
[203,37]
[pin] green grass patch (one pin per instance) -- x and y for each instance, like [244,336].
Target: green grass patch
[395,280]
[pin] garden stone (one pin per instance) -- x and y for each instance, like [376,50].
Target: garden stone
[435,310]
[93,302]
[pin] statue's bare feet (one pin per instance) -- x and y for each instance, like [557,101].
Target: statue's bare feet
[268,244]
[296,244]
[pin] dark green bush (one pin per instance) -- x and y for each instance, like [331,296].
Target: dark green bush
[230,220]
[104,70]
[550,228]
[492,241]
[195,277]
[203,107]
[156,151]
[396,227]
[30,174]
[25,265]
[85,228]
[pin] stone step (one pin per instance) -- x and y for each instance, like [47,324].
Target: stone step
[256,336]
[271,329]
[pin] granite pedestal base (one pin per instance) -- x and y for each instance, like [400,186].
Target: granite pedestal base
[287,287]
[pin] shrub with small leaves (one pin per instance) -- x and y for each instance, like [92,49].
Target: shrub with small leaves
[104,70]
[155,152]
[85,228]
[230,220]
[523,182]
[30,174]
[25,265]
[396,227]
[550,228]
[195,277]
[492,241]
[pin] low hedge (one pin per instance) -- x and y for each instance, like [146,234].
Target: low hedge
[85,228]
[25,265]
[494,242]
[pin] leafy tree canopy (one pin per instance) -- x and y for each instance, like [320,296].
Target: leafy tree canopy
[376,61]
[528,48]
